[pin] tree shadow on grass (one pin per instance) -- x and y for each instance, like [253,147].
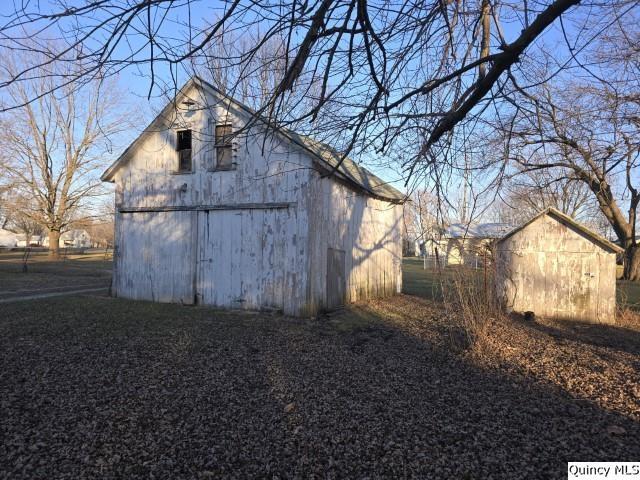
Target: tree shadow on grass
[407,404]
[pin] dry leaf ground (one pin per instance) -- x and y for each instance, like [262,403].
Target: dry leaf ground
[94,387]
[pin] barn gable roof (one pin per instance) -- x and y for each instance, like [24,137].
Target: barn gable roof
[569,221]
[325,155]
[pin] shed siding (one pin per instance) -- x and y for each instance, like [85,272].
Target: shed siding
[271,171]
[155,257]
[251,259]
[555,271]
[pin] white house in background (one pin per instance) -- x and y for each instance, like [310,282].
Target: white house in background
[8,239]
[76,238]
[34,240]
[467,243]
[211,212]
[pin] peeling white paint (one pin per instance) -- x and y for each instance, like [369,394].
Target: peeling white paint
[253,237]
[557,271]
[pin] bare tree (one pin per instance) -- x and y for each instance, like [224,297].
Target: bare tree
[56,145]
[19,220]
[100,225]
[526,194]
[248,67]
[582,134]
[423,220]
[394,73]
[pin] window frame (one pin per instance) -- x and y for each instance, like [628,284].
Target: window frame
[179,170]
[229,144]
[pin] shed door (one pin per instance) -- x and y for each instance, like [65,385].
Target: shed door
[590,281]
[576,286]
[155,259]
[336,279]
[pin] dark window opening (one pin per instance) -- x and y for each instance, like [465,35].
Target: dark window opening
[224,147]
[184,151]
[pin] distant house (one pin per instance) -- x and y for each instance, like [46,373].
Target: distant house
[33,240]
[213,208]
[467,243]
[556,267]
[76,238]
[8,239]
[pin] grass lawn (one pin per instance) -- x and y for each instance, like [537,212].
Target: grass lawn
[97,387]
[76,271]
[629,294]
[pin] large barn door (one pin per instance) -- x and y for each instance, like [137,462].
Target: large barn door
[336,279]
[242,258]
[155,259]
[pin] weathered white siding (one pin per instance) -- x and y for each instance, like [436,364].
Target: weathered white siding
[554,270]
[245,230]
[464,251]
[155,256]
[252,237]
[250,259]
[366,229]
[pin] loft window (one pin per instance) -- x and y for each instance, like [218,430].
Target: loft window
[224,147]
[184,150]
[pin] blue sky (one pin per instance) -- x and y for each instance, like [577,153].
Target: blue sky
[135,81]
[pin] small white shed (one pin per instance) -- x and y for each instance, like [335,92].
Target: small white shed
[556,267]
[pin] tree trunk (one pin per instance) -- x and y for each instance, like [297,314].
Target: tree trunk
[632,263]
[54,243]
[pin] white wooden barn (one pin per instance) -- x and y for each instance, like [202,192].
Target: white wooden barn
[211,209]
[556,267]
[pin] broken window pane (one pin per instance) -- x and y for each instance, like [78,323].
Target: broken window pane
[184,150]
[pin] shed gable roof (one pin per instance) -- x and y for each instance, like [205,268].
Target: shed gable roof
[324,154]
[565,219]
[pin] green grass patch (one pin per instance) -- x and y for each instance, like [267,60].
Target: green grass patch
[418,281]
